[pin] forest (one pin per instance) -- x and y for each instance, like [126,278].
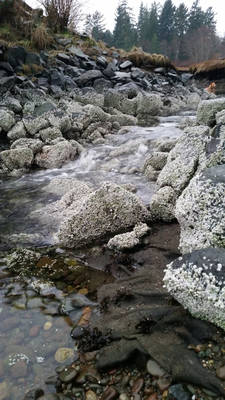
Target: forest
[185,35]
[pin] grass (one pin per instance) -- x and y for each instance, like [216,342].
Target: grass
[206,66]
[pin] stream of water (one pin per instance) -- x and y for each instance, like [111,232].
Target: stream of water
[32,328]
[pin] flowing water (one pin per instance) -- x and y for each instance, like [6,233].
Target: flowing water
[32,327]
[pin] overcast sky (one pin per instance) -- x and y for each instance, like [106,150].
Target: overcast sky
[108,7]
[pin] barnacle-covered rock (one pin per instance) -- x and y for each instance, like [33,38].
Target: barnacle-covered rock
[197,281]
[105,212]
[207,110]
[200,211]
[128,240]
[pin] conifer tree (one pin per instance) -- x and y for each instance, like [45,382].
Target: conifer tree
[124,32]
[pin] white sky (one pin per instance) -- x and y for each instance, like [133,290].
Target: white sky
[108,7]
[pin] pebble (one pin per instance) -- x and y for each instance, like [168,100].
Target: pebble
[109,394]
[19,369]
[67,375]
[47,325]
[137,385]
[154,369]
[63,354]
[163,383]
[124,396]
[179,392]
[220,372]
[153,397]
[34,331]
[3,390]
[90,395]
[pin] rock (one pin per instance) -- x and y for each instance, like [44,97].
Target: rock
[150,173]
[34,331]
[17,158]
[128,240]
[157,160]
[120,101]
[47,325]
[7,83]
[109,394]
[193,101]
[154,369]
[22,259]
[34,144]
[12,104]
[7,119]
[137,73]
[220,372]
[49,134]
[19,369]
[60,121]
[163,203]
[90,395]
[44,108]
[77,52]
[33,59]
[101,85]
[63,354]
[126,64]
[166,145]
[17,132]
[184,159]
[34,394]
[68,187]
[4,390]
[149,104]
[197,281]
[207,110]
[33,126]
[55,156]
[16,56]
[68,375]
[178,392]
[109,210]
[199,211]
[137,385]
[89,76]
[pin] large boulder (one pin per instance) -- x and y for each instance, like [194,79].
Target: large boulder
[33,126]
[17,158]
[200,211]
[105,212]
[148,106]
[34,144]
[55,156]
[162,204]
[17,132]
[185,158]
[120,101]
[197,281]
[207,110]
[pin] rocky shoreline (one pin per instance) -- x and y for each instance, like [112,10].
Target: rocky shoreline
[73,101]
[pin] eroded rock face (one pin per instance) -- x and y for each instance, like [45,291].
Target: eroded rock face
[107,211]
[197,281]
[200,211]
[55,156]
[207,110]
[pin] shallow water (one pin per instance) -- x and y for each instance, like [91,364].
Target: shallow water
[32,327]
[120,159]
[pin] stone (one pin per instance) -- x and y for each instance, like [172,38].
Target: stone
[7,119]
[7,83]
[184,159]
[44,108]
[151,174]
[154,369]
[207,110]
[17,158]
[193,101]
[220,372]
[49,134]
[149,104]
[199,211]
[109,394]
[17,132]
[128,240]
[120,101]
[126,64]
[68,375]
[4,390]
[63,354]
[109,210]
[34,394]
[34,144]
[12,104]
[19,369]
[56,155]
[157,160]
[162,205]
[197,281]
[178,392]
[33,126]
[77,52]
[32,59]
[89,76]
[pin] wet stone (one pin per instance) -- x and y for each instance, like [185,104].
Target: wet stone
[19,369]
[137,385]
[34,394]
[90,395]
[34,331]
[109,394]
[68,375]
[178,392]
[154,368]
[124,396]
[63,353]
[220,372]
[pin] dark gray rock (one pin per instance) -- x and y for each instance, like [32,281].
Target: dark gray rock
[178,392]
[137,73]
[73,71]
[63,41]
[57,78]
[16,56]
[7,83]
[44,108]
[111,69]
[77,52]
[100,85]
[33,58]
[34,394]
[6,67]
[101,61]
[89,76]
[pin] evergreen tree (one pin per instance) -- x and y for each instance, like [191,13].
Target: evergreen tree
[180,27]
[166,21]
[108,38]
[196,17]
[98,26]
[124,32]
[153,28]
